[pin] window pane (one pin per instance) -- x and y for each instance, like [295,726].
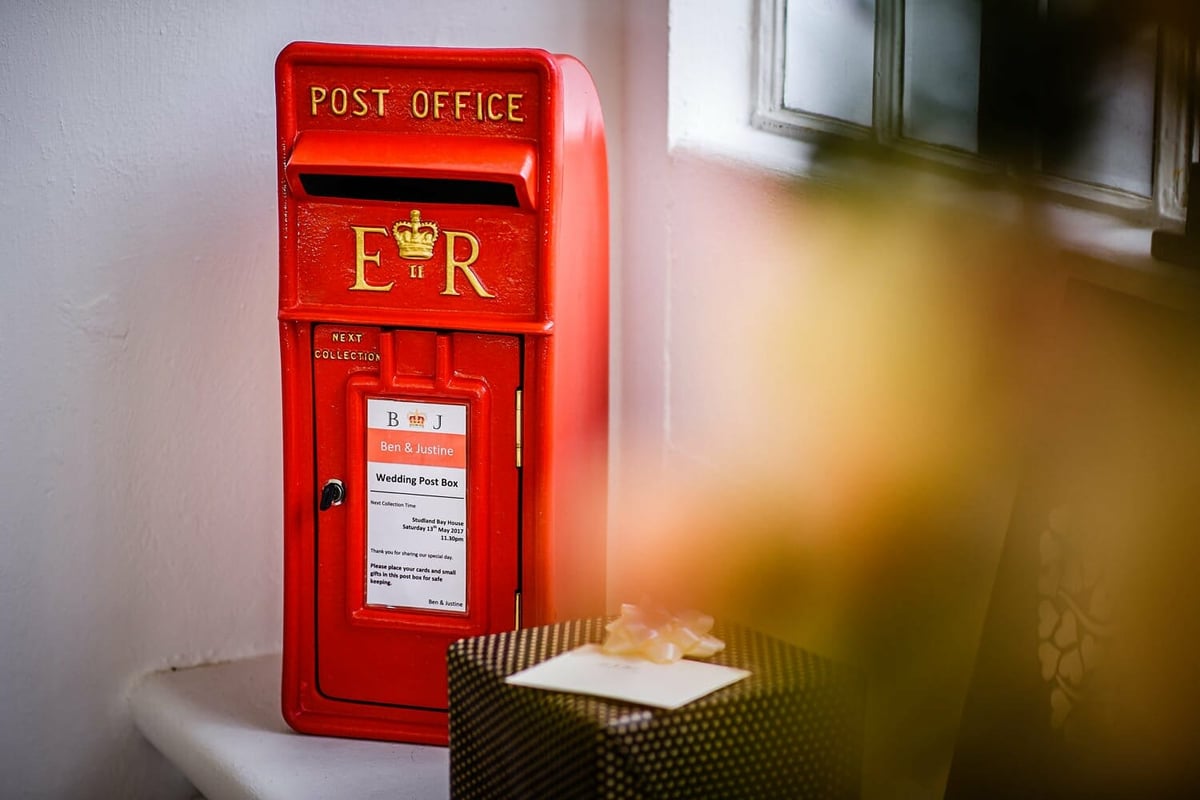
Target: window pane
[941,72]
[829,58]
[1117,148]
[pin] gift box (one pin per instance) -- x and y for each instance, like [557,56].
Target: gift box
[792,729]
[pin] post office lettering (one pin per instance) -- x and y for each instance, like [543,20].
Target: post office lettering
[347,101]
[465,104]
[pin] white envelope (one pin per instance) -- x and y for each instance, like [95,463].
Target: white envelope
[588,670]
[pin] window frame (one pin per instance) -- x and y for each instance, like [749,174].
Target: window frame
[1175,123]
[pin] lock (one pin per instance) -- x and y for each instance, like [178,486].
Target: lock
[443,308]
[332,494]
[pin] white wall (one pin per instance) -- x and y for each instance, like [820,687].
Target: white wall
[139,394]
[714,57]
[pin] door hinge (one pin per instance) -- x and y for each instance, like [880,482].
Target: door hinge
[520,422]
[517,614]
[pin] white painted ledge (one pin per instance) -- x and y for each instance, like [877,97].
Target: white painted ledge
[221,726]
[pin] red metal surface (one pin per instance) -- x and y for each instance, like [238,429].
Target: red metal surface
[502,297]
[412,154]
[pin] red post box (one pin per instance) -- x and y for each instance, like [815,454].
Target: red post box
[443,309]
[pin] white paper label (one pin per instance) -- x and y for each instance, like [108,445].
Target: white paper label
[416,504]
[589,670]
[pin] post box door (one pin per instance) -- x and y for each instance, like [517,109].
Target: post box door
[420,429]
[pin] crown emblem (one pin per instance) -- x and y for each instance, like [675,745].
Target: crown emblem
[416,419]
[415,238]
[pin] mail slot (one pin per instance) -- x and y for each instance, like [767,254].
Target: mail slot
[443,307]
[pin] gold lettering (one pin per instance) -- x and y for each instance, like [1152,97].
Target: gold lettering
[334,102]
[465,266]
[379,93]
[493,115]
[440,96]
[457,104]
[416,270]
[420,104]
[513,107]
[317,95]
[362,258]
[341,100]
[360,104]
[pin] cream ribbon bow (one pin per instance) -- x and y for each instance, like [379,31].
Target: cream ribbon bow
[658,635]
